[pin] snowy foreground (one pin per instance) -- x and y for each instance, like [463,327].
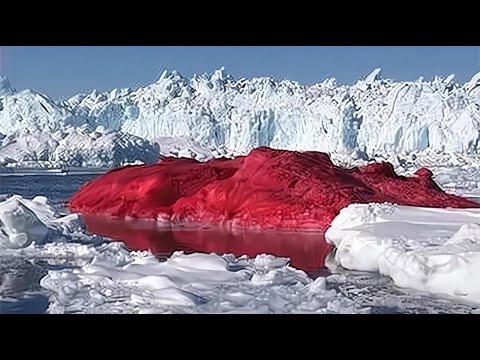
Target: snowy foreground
[431,253]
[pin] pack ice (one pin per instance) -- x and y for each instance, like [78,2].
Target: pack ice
[433,251]
[24,222]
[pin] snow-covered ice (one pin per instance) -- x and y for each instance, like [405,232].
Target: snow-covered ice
[75,147]
[196,283]
[24,221]
[19,224]
[436,251]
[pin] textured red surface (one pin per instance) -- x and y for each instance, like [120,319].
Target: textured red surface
[268,189]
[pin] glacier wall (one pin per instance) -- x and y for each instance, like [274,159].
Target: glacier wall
[75,147]
[373,117]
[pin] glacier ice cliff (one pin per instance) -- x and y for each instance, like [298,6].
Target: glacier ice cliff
[217,114]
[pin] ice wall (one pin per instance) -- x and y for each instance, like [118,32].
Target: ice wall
[373,117]
[75,147]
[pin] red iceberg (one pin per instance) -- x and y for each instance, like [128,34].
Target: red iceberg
[268,189]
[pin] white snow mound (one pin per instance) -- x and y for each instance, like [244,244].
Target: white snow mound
[436,251]
[24,222]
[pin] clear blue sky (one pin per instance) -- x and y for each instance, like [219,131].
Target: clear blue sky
[64,71]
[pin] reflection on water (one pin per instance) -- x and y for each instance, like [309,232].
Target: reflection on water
[306,250]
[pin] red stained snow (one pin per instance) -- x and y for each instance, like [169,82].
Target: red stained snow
[268,189]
